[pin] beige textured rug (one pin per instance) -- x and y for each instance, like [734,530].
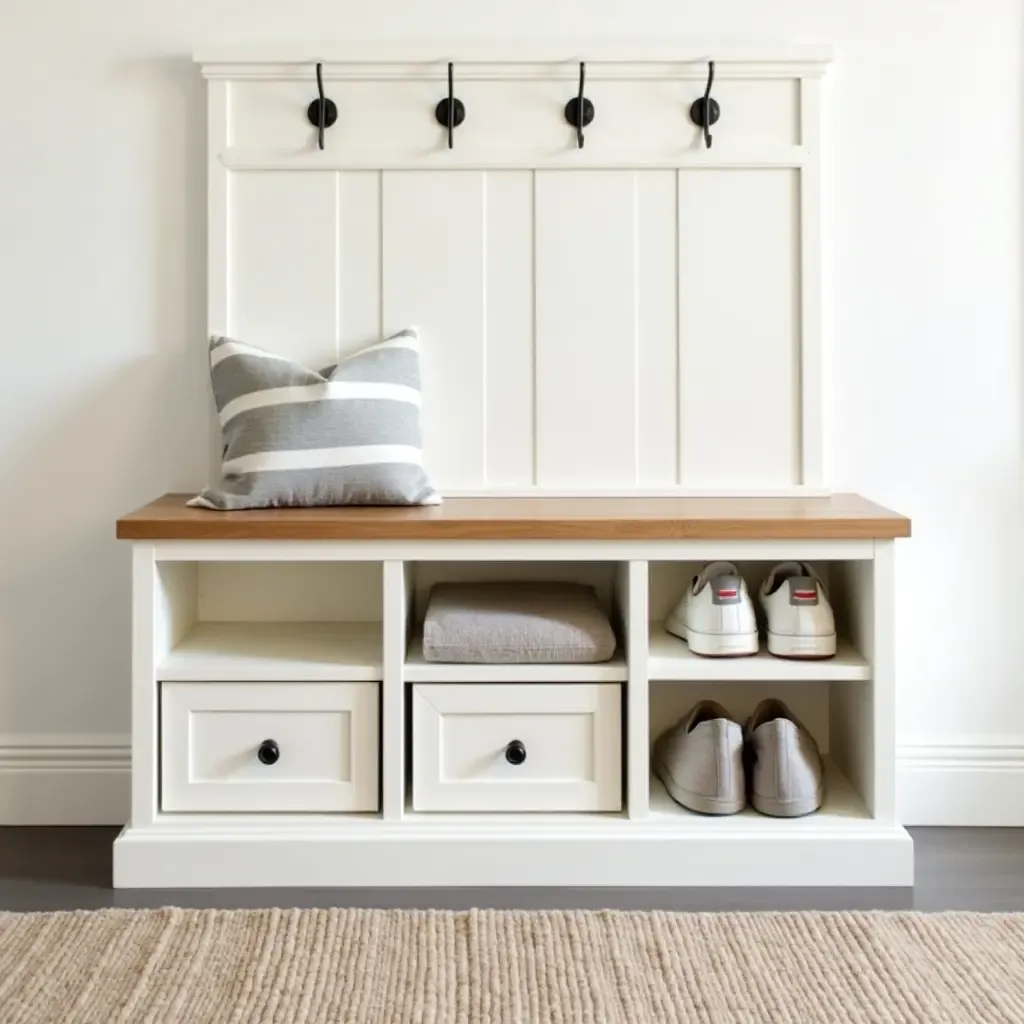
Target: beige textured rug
[480,967]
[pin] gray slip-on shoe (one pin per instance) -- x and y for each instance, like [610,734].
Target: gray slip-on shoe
[700,761]
[784,764]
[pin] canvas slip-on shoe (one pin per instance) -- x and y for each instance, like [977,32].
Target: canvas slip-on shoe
[784,769]
[700,761]
[716,616]
[798,616]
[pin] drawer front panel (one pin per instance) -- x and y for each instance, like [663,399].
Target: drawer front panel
[296,747]
[517,747]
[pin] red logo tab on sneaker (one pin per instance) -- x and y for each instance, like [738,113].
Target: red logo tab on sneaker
[728,593]
[805,595]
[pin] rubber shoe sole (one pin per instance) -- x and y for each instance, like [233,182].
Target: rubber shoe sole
[695,801]
[715,645]
[785,646]
[787,808]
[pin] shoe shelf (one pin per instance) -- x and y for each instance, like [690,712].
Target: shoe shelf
[418,670]
[843,809]
[276,652]
[669,658]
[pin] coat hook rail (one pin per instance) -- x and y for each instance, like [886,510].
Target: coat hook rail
[322,112]
[450,112]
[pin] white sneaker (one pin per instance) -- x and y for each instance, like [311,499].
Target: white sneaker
[716,616]
[799,618]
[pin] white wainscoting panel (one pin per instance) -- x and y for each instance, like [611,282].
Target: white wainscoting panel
[434,277]
[283,263]
[637,315]
[586,329]
[358,306]
[738,327]
[657,353]
[509,358]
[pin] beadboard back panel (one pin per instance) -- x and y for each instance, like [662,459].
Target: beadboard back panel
[640,314]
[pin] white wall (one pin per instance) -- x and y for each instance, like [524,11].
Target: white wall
[103,403]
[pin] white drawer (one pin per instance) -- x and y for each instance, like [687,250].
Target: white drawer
[269,746]
[517,747]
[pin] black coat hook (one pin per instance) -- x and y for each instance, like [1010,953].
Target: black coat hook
[706,111]
[322,112]
[450,112]
[579,111]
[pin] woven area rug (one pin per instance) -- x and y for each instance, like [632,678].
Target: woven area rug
[488,966]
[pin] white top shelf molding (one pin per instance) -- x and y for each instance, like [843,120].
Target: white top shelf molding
[640,315]
[483,60]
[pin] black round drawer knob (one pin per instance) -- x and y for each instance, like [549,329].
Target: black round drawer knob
[269,752]
[515,752]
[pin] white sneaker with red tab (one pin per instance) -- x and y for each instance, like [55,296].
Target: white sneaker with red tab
[798,616]
[716,616]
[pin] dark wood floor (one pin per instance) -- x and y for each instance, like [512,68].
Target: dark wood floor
[957,869]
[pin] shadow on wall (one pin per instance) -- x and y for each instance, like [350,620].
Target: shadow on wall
[121,411]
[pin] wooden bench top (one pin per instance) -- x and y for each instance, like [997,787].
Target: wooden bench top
[838,516]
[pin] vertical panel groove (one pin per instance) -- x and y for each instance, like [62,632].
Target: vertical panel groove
[339,274]
[810,452]
[533,323]
[220,306]
[380,270]
[485,263]
[229,210]
[680,467]
[800,410]
[636,333]
[230,303]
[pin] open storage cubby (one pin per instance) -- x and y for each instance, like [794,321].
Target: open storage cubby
[512,737]
[270,620]
[671,658]
[834,697]
[609,581]
[269,677]
[812,704]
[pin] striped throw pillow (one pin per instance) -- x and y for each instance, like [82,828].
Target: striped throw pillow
[349,435]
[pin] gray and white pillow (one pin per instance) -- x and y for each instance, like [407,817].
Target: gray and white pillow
[349,435]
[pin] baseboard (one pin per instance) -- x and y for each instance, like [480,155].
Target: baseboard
[960,781]
[86,780]
[64,780]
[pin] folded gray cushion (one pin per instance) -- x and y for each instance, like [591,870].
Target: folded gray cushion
[516,622]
